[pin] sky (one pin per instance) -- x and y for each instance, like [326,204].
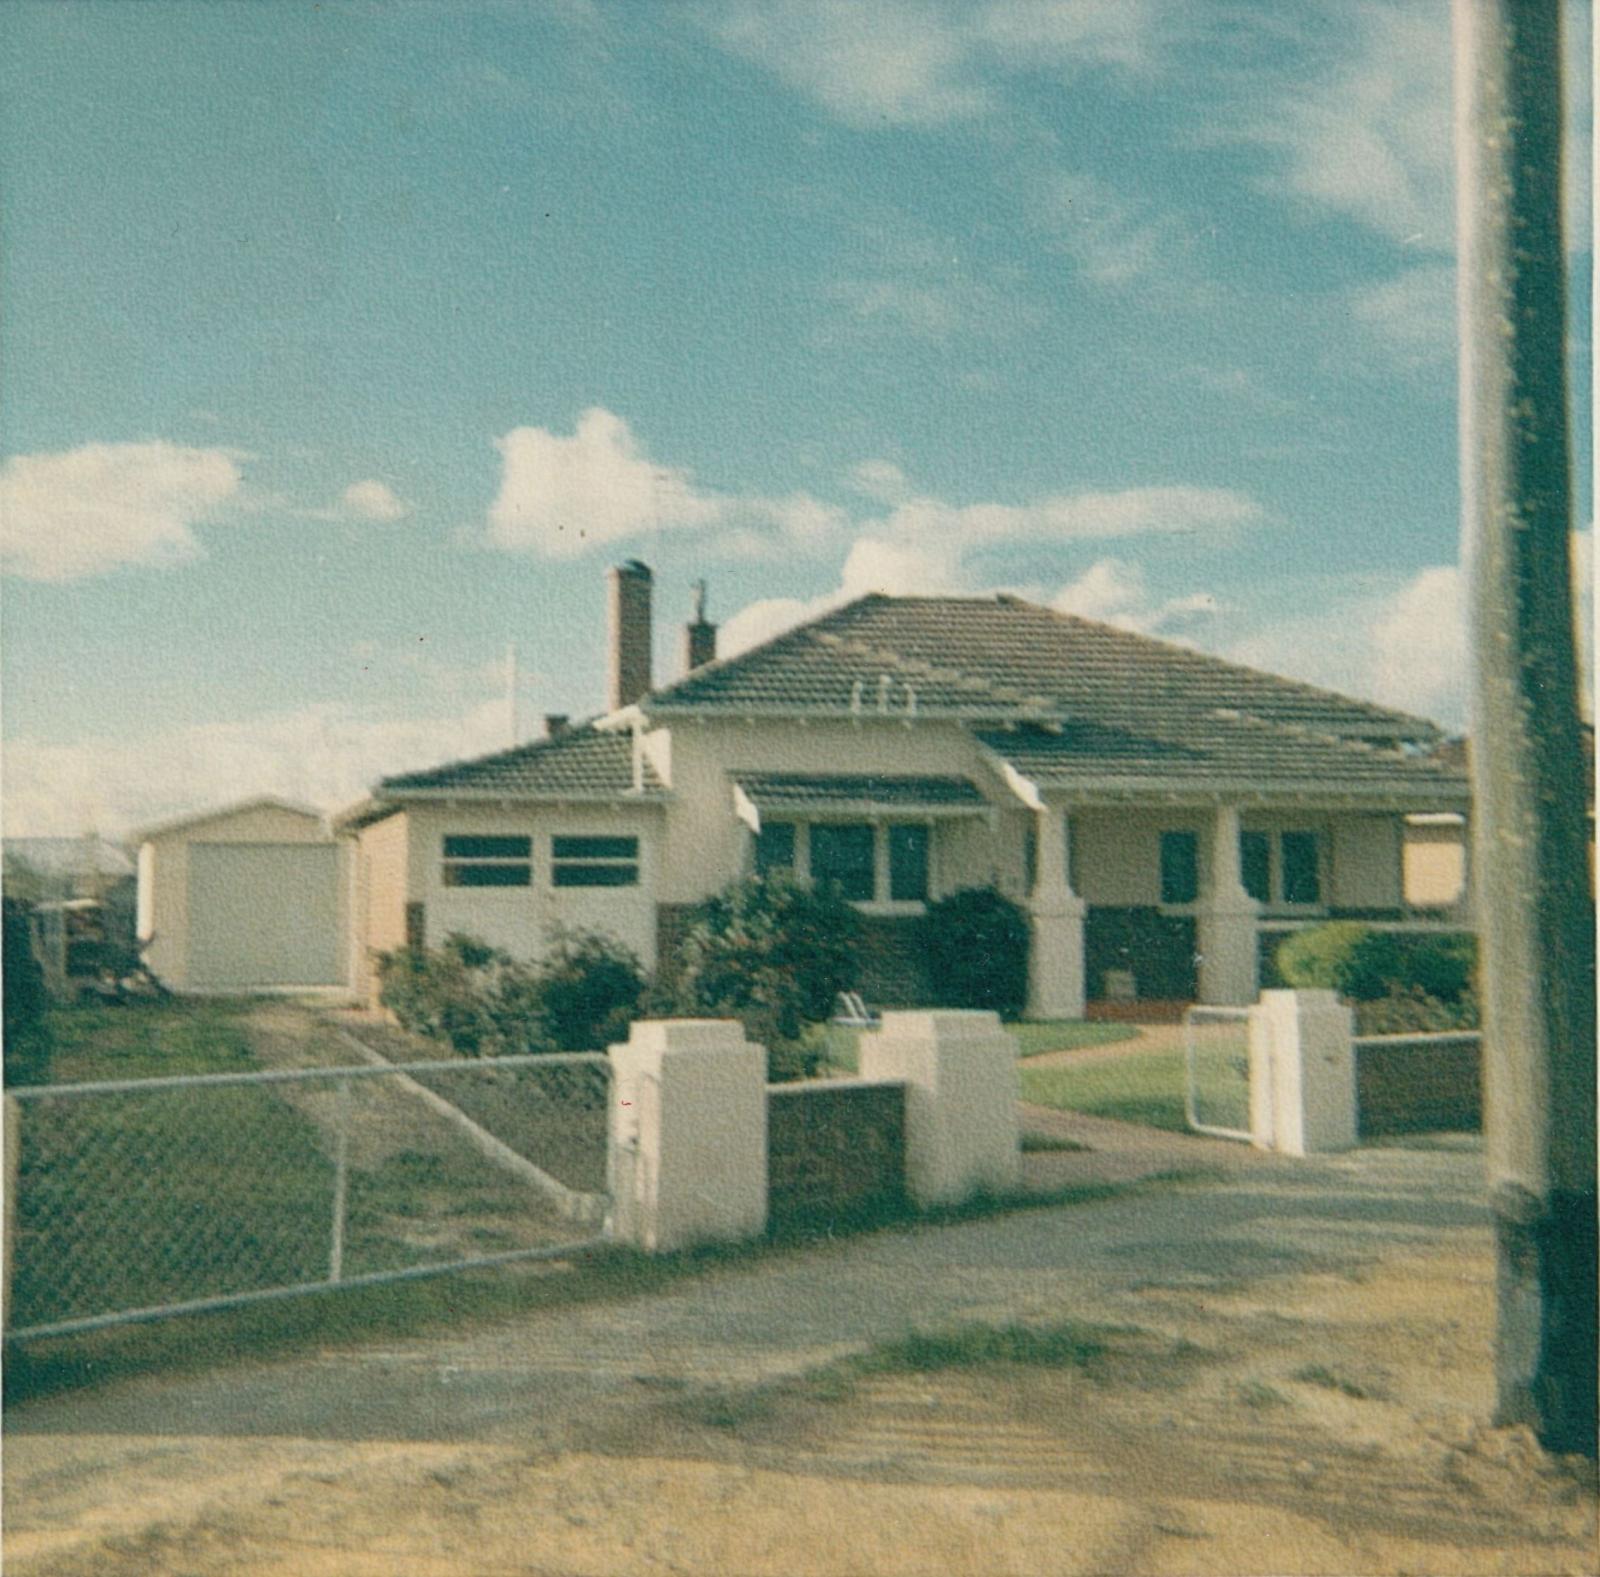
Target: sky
[345,344]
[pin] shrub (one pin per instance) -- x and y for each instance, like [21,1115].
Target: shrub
[976,943]
[588,990]
[774,955]
[482,1002]
[25,1000]
[1366,965]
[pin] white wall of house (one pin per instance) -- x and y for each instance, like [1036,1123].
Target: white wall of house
[521,920]
[706,843]
[167,882]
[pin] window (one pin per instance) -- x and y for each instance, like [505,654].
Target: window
[775,847]
[1180,867]
[908,863]
[1255,865]
[843,854]
[594,862]
[1281,867]
[476,860]
[1302,882]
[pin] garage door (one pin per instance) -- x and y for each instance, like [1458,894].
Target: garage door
[263,914]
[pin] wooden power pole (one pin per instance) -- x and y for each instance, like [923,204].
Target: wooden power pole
[1534,906]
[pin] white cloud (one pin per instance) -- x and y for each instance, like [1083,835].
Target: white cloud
[85,511]
[1411,318]
[880,479]
[930,62]
[1114,591]
[373,500]
[1114,237]
[1369,134]
[561,496]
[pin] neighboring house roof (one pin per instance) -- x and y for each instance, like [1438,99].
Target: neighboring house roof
[780,791]
[197,818]
[68,857]
[581,763]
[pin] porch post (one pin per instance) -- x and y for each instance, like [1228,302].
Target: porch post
[1227,920]
[1055,959]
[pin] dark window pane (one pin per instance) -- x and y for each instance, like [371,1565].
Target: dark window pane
[775,847]
[507,875]
[595,848]
[908,864]
[1255,865]
[1302,882]
[842,855]
[594,875]
[1180,867]
[460,846]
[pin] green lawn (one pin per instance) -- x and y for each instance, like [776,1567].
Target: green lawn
[1136,1089]
[144,1040]
[1033,1038]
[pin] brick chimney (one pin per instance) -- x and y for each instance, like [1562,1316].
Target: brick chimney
[699,636]
[629,610]
[555,724]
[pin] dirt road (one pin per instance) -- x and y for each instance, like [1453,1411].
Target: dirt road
[1301,1356]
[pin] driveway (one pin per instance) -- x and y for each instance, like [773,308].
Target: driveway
[667,1431]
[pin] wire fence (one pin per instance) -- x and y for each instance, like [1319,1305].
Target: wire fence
[142,1198]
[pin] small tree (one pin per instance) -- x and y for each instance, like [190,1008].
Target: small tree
[976,942]
[774,955]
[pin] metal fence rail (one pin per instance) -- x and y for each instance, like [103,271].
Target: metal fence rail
[1216,1058]
[142,1198]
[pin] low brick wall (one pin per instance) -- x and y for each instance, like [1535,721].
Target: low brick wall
[836,1151]
[1411,1089]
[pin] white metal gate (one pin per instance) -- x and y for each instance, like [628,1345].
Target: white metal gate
[141,1198]
[1216,1055]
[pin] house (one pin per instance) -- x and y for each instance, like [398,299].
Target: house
[1163,815]
[245,897]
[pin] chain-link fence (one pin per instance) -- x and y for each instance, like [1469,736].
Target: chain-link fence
[1217,1071]
[157,1196]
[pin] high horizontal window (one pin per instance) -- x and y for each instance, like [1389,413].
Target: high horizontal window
[487,860]
[594,861]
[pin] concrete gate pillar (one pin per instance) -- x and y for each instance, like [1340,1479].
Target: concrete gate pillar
[1056,987]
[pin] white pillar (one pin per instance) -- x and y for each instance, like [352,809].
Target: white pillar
[688,1135]
[1055,956]
[1302,1073]
[960,1071]
[1227,920]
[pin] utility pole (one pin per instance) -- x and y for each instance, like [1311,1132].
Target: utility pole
[1535,911]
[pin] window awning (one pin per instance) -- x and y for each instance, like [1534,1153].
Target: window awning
[777,795]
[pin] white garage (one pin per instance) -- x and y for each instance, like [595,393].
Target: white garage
[251,897]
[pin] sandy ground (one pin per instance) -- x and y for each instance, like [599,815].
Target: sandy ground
[1297,1387]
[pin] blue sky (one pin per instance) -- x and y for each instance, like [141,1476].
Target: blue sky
[345,343]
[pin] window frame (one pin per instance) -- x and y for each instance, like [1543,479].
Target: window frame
[804,870]
[613,860]
[497,854]
[1276,899]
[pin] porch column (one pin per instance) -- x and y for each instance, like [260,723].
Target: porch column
[1055,959]
[1227,920]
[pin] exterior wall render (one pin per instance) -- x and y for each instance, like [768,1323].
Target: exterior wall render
[523,920]
[706,842]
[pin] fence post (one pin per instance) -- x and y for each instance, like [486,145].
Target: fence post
[960,1073]
[341,1181]
[1302,1073]
[688,1135]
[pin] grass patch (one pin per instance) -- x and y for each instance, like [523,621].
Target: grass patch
[150,1039]
[1048,1143]
[1136,1089]
[839,1044]
[1257,1394]
[1331,1380]
[1068,1345]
